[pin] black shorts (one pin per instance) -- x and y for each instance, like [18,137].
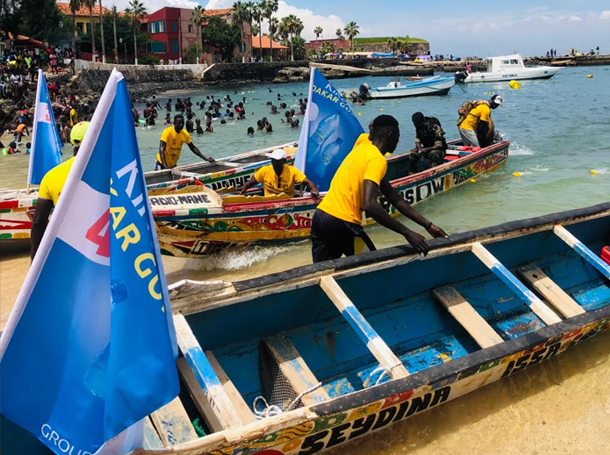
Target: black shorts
[332,237]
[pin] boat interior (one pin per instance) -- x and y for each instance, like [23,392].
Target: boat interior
[342,333]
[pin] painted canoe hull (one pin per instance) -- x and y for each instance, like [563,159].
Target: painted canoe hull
[528,74]
[258,224]
[234,171]
[438,88]
[439,351]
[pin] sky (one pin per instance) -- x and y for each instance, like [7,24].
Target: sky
[464,28]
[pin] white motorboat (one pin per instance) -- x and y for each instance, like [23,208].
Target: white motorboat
[436,85]
[507,68]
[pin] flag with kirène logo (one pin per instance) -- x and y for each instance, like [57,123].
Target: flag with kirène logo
[89,349]
[46,143]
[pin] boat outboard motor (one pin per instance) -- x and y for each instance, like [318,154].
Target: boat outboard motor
[460,77]
[364,90]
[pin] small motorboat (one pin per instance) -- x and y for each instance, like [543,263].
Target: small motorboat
[506,68]
[435,85]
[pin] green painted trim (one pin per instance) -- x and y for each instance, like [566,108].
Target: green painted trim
[6,236]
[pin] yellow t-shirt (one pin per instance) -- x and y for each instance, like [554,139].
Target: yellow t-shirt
[53,182]
[174,143]
[481,112]
[73,117]
[344,198]
[285,184]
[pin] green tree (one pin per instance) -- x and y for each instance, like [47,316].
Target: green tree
[116,46]
[254,30]
[327,48]
[351,30]
[318,31]
[90,4]
[221,35]
[241,15]
[197,16]
[393,44]
[269,7]
[339,33]
[257,16]
[102,33]
[75,5]
[39,19]
[298,47]
[124,31]
[136,11]
[293,26]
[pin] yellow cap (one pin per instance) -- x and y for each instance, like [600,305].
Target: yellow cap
[78,132]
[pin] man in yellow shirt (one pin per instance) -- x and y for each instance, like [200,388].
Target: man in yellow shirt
[277,178]
[170,146]
[476,130]
[51,187]
[73,117]
[354,189]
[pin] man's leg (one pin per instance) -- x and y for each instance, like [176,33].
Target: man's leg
[469,137]
[330,238]
[158,166]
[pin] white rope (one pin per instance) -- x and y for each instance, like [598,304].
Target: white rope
[273,410]
[384,371]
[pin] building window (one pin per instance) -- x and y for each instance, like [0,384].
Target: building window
[158,47]
[162,26]
[190,28]
[153,27]
[174,27]
[174,46]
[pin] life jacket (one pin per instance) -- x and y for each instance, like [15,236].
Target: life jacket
[465,109]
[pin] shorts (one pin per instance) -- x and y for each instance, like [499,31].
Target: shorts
[158,166]
[469,137]
[332,237]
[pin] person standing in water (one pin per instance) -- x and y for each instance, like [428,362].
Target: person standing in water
[170,145]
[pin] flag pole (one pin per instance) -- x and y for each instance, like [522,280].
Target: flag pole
[34,130]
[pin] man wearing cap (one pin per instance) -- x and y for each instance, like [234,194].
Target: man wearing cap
[170,145]
[476,129]
[355,188]
[277,178]
[51,187]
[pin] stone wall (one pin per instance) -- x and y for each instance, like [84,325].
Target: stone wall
[416,48]
[247,72]
[197,70]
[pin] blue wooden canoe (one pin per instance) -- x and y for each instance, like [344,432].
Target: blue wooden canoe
[333,351]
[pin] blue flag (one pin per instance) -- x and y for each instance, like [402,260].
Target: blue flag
[89,349]
[330,130]
[46,144]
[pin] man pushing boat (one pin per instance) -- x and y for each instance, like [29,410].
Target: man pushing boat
[170,145]
[354,188]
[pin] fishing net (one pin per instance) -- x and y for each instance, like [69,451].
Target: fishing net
[278,395]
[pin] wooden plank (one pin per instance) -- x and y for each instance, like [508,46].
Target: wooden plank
[295,369]
[539,308]
[550,291]
[211,386]
[363,329]
[245,413]
[151,437]
[173,424]
[582,250]
[467,316]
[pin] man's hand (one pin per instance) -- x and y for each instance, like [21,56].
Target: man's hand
[315,194]
[418,242]
[211,160]
[436,232]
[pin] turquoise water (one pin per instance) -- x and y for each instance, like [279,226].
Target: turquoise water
[559,131]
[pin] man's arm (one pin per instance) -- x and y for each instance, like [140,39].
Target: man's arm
[372,207]
[248,185]
[407,210]
[312,186]
[197,152]
[162,146]
[39,223]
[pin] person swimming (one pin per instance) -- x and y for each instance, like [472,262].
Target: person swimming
[250,131]
[198,128]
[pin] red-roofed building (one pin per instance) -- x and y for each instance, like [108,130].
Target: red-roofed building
[338,43]
[82,15]
[172,32]
[263,43]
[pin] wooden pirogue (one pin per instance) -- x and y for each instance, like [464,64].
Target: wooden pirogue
[340,349]
[191,229]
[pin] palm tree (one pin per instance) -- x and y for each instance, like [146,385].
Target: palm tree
[318,31]
[352,29]
[116,47]
[294,26]
[90,4]
[135,11]
[102,33]
[298,46]
[75,5]
[254,29]
[257,16]
[241,15]
[269,7]
[393,44]
[339,33]
[197,18]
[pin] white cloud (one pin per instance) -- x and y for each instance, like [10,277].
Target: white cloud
[605,14]
[182,3]
[575,19]
[310,20]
